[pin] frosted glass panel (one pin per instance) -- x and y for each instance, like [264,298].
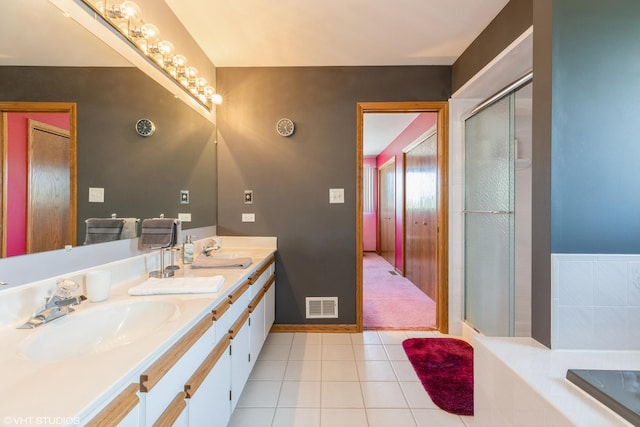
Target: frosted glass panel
[489,219]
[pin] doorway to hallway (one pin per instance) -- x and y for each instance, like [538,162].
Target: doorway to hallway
[438,175]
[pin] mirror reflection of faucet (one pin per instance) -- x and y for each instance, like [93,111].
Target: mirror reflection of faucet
[57,305]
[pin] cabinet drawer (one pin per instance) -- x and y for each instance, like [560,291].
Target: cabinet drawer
[239,300]
[170,372]
[260,277]
[121,411]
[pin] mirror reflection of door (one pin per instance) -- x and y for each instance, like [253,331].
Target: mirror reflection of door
[387,209]
[49,203]
[38,167]
[421,221]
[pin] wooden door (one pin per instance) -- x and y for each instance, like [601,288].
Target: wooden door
[421,215]
[387,211]
[50,200]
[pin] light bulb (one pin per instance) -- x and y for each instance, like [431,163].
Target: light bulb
[192,72]
[130,10]
[165,47]
[150,32]
[216,99]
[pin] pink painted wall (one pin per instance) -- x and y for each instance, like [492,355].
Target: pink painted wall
[17,174]
[420,125]
[370,219]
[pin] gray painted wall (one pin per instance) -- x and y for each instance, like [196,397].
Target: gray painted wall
[142,177]
[291,177]
[509,24]
[595,203]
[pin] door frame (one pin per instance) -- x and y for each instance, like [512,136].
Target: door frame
[442,123]
[391,161]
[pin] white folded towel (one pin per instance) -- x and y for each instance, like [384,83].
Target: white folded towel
[178,285]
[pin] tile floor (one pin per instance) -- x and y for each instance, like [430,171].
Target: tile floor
[335,380]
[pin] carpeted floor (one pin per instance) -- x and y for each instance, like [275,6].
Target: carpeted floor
[392,301]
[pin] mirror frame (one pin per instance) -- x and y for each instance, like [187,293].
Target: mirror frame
[40,107]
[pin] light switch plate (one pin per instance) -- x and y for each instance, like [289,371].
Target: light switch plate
[184,217]
[336,195]
[96,195]
[248,197]
[184,197]
[248,217]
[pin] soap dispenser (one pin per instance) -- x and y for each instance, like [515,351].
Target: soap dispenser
[187,251]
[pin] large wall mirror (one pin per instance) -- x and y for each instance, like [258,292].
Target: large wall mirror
[58,63]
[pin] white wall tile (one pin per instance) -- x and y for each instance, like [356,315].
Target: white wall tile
[575,283]
[633,284]
[575,327]
[609,328]
[610,283]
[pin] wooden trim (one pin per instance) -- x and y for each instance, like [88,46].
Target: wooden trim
[198,377]
[235,295]
[3,188]
[315,328]
[160,367]
[255,276]
[442,108]
[173,411]
[269,283]
[221,309]
[233,331]
[256,300]
[117,409]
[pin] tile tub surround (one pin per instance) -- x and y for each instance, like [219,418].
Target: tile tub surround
[596,302]
[519,382]
[82,383]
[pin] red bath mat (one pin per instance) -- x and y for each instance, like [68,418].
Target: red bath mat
[445,368]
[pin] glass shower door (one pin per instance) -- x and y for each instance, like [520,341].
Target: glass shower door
[489,219]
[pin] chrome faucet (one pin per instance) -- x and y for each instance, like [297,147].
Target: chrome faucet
[57,305]
[211,246]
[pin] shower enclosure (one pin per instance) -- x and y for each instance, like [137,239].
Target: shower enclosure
[497,214]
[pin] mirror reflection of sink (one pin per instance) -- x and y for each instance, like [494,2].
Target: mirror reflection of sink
[96,330]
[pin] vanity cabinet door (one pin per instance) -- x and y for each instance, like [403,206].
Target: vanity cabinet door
[256,328]
[269,305]
[208,390]
[240,352]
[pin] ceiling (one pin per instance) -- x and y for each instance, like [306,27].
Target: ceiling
[254,33]
[263,33]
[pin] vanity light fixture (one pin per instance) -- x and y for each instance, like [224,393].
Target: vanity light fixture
[126,18]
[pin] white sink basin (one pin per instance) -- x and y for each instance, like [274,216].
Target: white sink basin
[96,330]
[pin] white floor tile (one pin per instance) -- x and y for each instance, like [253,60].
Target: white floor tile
[260,394]
[336,339]
[339,370]
[254,417]
[284,338]
[366,337]
[417,397]
[404,370]
[422,334]
[268,370]
[307,338]
[300,394]
[436,417]
[275,352]
[369,352]
[341,394]
[392,337]
[390,418]
[379,394]
[337,352]
[296,417]
[305,352]
[375,370]
[303,370]
[335,417]
[395,352]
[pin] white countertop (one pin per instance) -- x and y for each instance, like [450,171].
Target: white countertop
[76,387]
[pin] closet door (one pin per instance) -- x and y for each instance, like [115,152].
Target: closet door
[421,215]
[387,211]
